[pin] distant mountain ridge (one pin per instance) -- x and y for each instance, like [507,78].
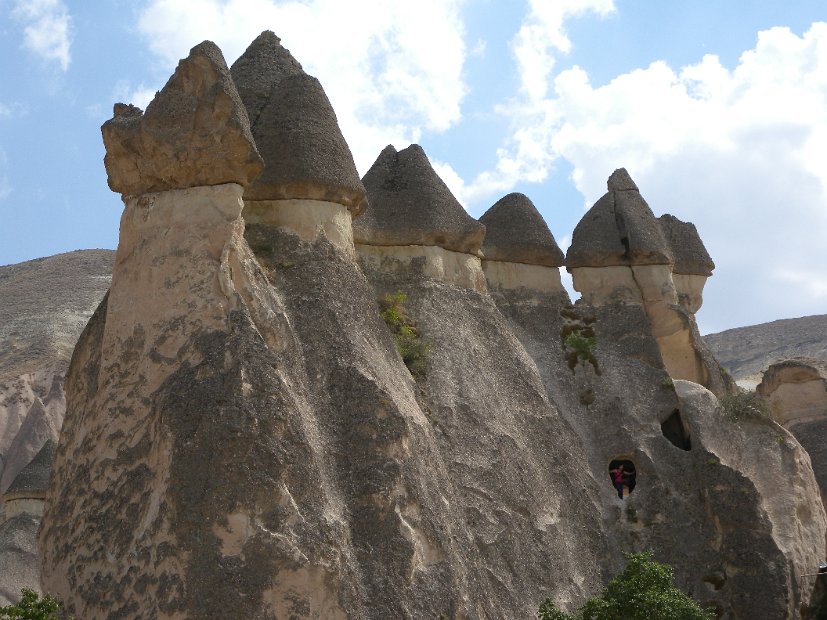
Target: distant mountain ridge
[748,351]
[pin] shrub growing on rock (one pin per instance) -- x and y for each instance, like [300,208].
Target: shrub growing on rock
[642,591]
[742,405]
[32,607]
[412,348]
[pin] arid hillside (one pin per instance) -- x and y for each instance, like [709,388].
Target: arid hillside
[746,352]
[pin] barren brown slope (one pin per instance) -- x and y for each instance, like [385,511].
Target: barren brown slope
[748,351]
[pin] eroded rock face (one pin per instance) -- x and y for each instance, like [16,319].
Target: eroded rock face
[515,232]
[411,205]
[797,391]
[194,132]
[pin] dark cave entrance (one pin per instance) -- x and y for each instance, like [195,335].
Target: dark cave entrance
[673,429]
[623,475]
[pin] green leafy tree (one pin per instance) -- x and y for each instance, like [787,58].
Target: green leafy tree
[644,590]
[32,607]
[740,405]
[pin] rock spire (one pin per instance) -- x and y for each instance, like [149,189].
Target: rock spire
[411,205]
[296,130]
[516,232]
[195,132]
[33,480]
[620,229]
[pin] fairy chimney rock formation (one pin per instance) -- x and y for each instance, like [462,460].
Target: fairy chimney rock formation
[620,254]
[415,222]
[195,132]
[519,250]
[693,264]
[310,185]
[27,491]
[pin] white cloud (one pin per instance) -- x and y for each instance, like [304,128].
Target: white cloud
[390,76]
[5,186]
[47,29]
[139,95]
[738,151]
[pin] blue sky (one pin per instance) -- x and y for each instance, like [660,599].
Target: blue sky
[717,108]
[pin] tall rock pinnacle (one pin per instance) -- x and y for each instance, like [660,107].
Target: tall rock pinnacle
[411,205]
[296,130]
[194,133]
[691,257]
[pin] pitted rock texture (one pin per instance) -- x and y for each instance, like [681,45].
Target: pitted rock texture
[194,132]
[711,510]
[411,205]
[619,229]
[295,128]
[18,557]
[689,252]
[515,232]
[256,72]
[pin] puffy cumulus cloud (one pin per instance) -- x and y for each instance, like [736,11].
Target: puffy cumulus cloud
[738,151]
[389,77]
[139,95]
[47,29]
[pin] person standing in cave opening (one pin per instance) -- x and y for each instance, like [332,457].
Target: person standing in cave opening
[629,477]
[618,480]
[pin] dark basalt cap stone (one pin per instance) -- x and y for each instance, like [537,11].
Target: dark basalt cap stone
[690,255]
[411,205]
[195,132]
[263,64]
[305,153]
[516,232]
[295,129]
[620,229]
[33,479]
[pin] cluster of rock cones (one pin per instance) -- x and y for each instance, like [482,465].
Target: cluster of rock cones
[242,439]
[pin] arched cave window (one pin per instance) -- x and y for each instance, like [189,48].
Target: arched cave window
[623,475]
[673,429]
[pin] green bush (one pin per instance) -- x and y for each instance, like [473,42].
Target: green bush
[411,346]
[32,607]
[644,590]
[580,344]
[741,405]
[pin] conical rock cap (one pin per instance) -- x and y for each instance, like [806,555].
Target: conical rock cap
[295,129]
[691,257]
[516,232]
[620,229]
[411,205]
[33,479]
[195,132]
[263,64]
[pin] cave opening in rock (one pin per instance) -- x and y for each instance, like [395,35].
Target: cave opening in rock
[623,475]
[673,429]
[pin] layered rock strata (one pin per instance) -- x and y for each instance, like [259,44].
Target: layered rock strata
[619,253]
[519,249]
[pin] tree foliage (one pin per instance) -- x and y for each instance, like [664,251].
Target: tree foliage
[32,607]
[644,590]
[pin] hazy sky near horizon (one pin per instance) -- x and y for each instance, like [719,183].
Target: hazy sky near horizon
[718,109]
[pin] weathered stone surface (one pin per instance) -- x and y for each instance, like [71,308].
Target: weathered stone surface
[505,275]
[39,428]
[18,557]
[797,389]
[515,232]
[256,72]
[194,132]
[430,261]
[411,205]
[688,250]
[295,128]
[619,229]
[33,480]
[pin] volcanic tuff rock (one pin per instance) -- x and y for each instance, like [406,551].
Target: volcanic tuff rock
[295,129]
[244,440]
[411,205]
[515,232]
[619,229]
[797,391]
[194,132]
[688,251]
